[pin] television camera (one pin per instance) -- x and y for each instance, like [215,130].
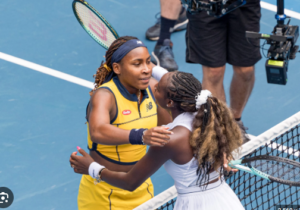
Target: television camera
[283,46]
[282,41]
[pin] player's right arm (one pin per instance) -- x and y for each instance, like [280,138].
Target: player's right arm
[102,109]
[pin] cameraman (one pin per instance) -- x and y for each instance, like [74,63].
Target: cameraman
[213,42]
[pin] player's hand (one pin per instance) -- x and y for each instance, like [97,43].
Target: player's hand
[228,168]
[158,136]
[81,164]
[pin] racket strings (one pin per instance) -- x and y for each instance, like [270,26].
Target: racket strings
[94,26]
[278,169]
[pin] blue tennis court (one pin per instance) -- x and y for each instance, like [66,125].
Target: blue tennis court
[42,116]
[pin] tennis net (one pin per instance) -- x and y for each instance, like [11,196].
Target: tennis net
[282,140]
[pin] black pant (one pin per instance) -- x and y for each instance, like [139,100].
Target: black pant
[213,42]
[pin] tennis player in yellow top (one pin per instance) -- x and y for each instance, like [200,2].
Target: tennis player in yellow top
[121,118]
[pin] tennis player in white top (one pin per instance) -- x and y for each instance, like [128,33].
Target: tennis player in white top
[204,136]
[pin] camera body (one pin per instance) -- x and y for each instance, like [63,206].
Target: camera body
[280,52]
[277,71]
[283,47]
[216,8]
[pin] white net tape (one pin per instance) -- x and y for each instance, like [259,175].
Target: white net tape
[268,135]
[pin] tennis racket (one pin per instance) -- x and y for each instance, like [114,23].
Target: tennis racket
[94,23]
[272,168]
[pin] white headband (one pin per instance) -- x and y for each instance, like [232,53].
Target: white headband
[201,98]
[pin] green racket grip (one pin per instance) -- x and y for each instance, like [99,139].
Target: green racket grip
[237,164]
[234,162]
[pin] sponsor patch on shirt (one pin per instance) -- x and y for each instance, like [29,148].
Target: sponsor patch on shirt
[126,112]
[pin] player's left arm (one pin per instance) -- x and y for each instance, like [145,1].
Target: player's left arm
[150,163]
[142,170]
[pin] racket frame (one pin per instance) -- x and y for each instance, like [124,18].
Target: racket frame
[237,164]
[92,9]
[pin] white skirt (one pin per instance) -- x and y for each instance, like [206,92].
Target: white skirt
[217,196]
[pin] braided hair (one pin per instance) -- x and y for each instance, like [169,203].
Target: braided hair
[215,132]
[182,89]
[105,68]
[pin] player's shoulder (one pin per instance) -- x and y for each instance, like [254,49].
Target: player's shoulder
[180,135]
[102,95]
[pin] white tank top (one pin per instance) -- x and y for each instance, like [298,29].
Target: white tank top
[185,175]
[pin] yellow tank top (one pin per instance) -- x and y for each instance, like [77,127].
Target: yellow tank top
[130,115]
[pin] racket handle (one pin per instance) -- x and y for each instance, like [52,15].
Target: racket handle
[235,162]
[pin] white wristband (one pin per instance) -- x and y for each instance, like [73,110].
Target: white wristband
[158,72]
[94,169]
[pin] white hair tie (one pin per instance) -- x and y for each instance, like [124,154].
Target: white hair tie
[201,98]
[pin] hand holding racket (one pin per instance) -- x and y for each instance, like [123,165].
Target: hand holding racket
[272,168]
[94,23]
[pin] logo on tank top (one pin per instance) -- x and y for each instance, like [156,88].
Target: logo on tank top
[149,106]
[126,112]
